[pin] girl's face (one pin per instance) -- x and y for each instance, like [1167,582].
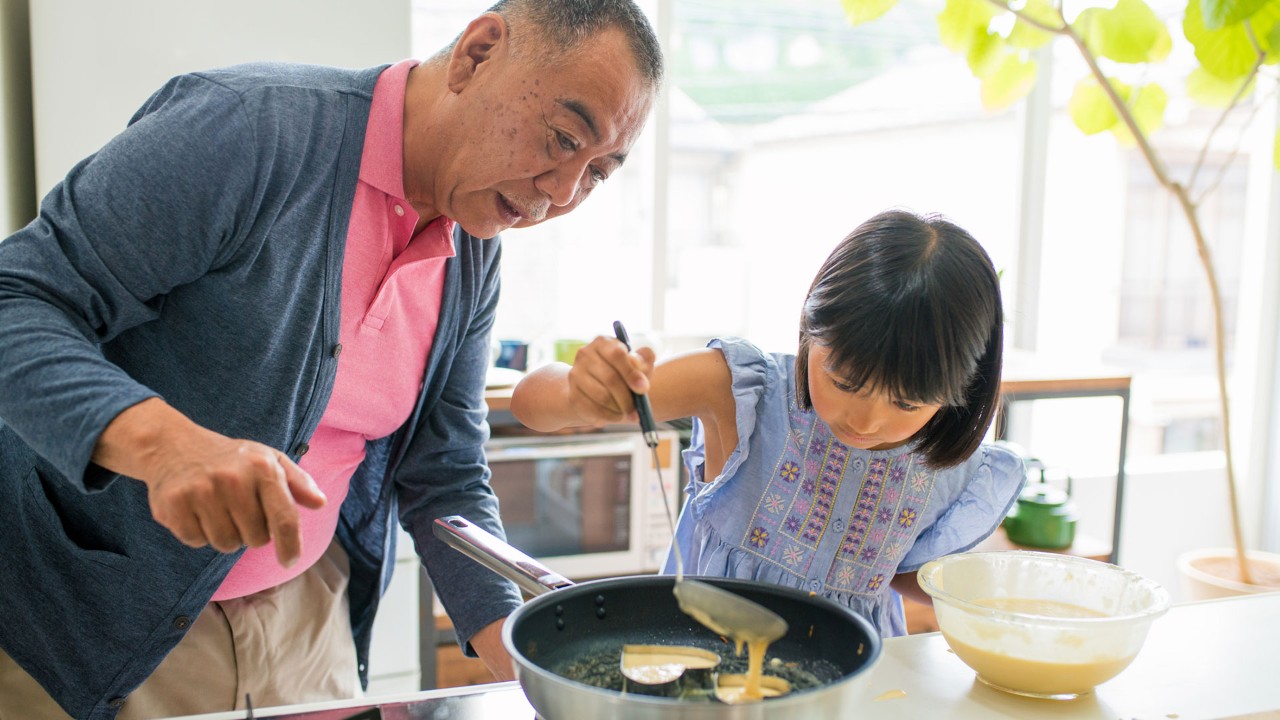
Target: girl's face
[859,418]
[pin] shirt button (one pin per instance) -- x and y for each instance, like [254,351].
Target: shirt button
[838,526]
[399,211]
[301,449]
[182,622]
[815,585]
[337,350]
[115,703]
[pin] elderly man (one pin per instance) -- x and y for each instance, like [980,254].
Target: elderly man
[251,332]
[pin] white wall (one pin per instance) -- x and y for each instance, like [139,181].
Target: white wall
[94,63]
[17,191]
[1172,504]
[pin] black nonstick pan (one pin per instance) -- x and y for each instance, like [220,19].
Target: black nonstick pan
[565,641]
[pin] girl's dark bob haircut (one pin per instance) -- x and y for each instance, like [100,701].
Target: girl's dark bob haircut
[910,305]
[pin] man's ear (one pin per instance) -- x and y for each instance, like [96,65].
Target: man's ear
[482,40]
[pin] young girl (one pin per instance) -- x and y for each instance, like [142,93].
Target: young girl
[844,468]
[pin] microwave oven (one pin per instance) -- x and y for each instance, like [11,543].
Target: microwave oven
[588,505]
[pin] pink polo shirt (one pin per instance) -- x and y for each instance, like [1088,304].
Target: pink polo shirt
[392,282]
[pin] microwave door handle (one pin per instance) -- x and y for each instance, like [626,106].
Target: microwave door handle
[487,549]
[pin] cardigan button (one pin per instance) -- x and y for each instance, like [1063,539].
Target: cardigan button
[115,703]
[182,622]
[337,350]
[301,449]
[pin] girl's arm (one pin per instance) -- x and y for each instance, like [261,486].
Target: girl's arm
[540,401]
[597,388]
[909,588]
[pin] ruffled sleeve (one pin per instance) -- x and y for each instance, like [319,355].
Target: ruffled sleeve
[754,376]
[986,497]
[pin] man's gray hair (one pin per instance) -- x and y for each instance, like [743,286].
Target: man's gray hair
[563,25]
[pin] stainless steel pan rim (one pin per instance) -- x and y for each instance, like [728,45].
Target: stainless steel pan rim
[535,605]
[647,608]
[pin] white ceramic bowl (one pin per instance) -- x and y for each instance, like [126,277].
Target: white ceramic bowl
[1041,624]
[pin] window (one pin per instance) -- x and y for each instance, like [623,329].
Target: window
[787,127]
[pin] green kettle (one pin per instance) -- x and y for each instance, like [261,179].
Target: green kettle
[1043,516]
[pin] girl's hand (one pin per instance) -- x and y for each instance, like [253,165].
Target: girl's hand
[602,378]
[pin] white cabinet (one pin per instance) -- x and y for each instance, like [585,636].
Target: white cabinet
[393,656]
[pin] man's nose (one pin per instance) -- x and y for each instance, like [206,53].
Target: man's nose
[560,184]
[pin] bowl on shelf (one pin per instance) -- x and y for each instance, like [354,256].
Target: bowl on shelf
[1043,625]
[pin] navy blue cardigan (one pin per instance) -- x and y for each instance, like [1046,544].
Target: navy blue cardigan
[198,257]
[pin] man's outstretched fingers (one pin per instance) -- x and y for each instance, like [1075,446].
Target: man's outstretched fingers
[304,489]
[282,517]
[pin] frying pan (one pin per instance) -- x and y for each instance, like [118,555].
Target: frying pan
[579,621]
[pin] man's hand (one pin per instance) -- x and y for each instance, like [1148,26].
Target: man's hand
[488,645]
[206,488]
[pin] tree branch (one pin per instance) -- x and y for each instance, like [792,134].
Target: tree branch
[1235,151]
[1240,93]
[1191,212]
[1038,24]
[1121,108]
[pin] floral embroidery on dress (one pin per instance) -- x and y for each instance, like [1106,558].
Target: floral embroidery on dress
[860,514]
[774,503]
[845,576]
[790,471]
[793,555]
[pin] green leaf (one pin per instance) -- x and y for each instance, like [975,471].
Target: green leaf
[1205,88]
[1090,108]
[1163,45]
[861,11]
[1029,37]
[1227,52]
[985,54]
[963,22]
[1009,82]
[1220,13]
[1273,38]
[1266,27]
[1128,33]
[1147,104]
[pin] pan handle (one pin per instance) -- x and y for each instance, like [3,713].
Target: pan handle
[487,549]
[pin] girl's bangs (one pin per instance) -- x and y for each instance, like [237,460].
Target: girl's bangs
[907,361]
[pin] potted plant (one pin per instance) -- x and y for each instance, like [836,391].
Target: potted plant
[1233,40]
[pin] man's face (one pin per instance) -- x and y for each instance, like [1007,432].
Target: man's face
[533,139]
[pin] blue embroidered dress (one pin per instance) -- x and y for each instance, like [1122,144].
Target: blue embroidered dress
[795,506]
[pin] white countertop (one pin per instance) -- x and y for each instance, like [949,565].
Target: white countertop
[1212,659]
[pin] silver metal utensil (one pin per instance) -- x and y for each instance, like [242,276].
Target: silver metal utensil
[719,610]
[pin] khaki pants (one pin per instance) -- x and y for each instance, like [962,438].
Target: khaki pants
[288,644]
